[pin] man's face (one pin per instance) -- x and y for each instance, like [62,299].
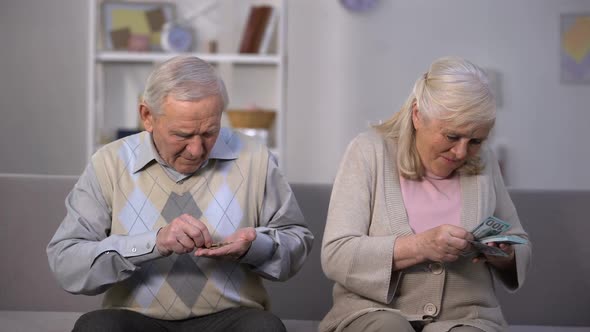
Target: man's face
[443,147]
[186,131]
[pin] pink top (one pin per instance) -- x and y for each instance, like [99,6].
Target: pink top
[432,202]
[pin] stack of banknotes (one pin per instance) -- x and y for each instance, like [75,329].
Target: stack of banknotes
[492,229]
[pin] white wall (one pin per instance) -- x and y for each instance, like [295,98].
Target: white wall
[347,69]
[42,79]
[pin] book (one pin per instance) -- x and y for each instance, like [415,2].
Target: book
[254,28]
[265,12]
[269,31]
[249,30]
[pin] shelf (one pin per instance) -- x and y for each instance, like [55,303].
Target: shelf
[117,77]
[135,57]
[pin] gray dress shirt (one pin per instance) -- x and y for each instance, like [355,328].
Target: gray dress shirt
[277,253]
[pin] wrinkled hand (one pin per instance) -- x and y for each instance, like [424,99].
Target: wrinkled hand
[443,243]
[239,244]
[183,235]
[498,261]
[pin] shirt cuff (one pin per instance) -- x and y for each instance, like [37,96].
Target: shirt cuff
[137,248]
[261,250]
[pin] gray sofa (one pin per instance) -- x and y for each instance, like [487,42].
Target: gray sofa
[555,297]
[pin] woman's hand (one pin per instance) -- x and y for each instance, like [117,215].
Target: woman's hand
[498,262]
[443,243]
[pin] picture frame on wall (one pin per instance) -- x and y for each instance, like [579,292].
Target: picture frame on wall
[574,50]
[134,26]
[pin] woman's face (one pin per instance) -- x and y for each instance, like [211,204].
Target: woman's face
[443,147]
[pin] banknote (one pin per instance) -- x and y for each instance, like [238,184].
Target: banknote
[511,239]
[488,250]
[489,227]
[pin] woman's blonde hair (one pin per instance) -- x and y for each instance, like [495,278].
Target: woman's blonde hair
[453,90]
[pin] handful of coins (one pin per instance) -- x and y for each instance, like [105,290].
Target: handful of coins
[219,244]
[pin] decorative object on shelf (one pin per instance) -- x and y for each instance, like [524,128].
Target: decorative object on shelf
[575,48]
[138,43]
[251,118]
[176,37]
[252,122]
[212,46]
[135,26]
[358,5]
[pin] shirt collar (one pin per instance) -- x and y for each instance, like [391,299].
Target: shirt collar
[146,153]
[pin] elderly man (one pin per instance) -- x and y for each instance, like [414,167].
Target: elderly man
[179,223]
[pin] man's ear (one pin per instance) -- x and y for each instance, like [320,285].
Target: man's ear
[147,117]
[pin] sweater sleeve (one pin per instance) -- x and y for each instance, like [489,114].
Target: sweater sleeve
[353,255]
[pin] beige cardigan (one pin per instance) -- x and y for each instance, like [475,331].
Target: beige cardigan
[365,218]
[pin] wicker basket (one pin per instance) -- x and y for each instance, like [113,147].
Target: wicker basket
[242,118]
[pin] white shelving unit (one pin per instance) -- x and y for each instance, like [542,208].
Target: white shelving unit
[116,78]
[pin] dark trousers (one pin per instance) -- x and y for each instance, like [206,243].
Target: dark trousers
[236,319]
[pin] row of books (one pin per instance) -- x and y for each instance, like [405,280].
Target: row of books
[259,29]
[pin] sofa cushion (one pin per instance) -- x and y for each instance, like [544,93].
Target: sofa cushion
[48,321]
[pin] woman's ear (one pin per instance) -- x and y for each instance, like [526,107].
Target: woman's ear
[416,116]
[147,118]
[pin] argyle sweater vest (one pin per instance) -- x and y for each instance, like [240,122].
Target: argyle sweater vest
[225,195]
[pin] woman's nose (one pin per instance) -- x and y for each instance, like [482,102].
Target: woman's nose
[460,149]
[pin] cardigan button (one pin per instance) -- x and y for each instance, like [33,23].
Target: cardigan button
[430,309]
[436,268]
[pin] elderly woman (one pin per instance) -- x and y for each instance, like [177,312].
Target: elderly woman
[406,198]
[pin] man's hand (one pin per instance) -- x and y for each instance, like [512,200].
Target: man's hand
[183,235]
[237,245]
[443,243]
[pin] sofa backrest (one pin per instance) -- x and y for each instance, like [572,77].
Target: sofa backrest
[556,292]
[31,209]
[557,289]
[308,295]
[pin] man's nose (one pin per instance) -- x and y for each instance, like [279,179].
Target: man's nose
[195,146]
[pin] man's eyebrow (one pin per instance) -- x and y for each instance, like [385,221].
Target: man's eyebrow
[180,132]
